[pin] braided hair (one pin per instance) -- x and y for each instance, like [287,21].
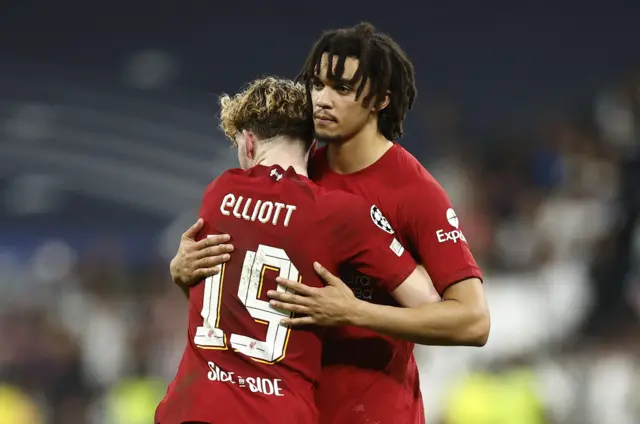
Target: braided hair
[381,62]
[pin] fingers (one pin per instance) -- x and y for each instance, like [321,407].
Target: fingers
[214,240]
[193,230]
[210,262]
[290,307]
[298,321]
[202,273]
[198,275]
[288,298]
[214,251]
[295,286]
[328,277]
[197,260]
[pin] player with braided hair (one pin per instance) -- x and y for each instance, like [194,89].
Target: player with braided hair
[361,85]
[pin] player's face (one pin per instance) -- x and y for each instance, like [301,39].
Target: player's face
[337,114]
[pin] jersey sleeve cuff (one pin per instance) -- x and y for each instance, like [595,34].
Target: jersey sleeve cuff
[460,275]
[391,284]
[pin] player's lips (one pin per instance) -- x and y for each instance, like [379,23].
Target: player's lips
[324,118]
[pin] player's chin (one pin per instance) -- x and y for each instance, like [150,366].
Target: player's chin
[327,136]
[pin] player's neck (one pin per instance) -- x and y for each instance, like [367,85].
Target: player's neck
[358,152]
[284,157]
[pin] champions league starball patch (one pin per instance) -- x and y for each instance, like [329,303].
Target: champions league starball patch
[379,219]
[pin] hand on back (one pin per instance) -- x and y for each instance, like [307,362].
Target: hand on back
[196,260]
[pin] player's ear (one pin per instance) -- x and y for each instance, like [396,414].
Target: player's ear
[250,143]
[384,103]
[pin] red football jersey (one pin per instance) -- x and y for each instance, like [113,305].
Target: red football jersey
[240,365]
[369,377]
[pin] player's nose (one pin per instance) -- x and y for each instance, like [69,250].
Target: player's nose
[322,99]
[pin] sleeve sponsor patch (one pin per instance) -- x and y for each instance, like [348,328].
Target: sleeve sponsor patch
[453,234]
[396,247]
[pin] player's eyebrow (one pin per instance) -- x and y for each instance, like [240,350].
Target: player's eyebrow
[343,81]
[335,81]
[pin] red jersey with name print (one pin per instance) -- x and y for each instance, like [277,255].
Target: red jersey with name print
[240,365]
[368,377]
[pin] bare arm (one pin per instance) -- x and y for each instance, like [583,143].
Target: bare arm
[462,318]
[416,290]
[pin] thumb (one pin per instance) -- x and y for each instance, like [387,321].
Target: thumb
[328,277]
[192,231]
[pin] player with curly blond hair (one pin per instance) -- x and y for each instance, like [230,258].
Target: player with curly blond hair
[269,118]
[241,365]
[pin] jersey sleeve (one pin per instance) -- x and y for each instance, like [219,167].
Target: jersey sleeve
[434,231]
[369,245]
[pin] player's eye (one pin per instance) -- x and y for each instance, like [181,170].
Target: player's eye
[317,85]
[344,89]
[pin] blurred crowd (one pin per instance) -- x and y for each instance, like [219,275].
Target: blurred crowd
[552,217]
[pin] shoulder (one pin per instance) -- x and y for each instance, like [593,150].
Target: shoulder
[223,179]
[420,181]
[410,178]
[412,172]
[419,195]
[409,165]
[340,200]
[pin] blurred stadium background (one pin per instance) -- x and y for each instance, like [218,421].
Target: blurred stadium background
[528,115]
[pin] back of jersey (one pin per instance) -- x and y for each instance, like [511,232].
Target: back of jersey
[241,365]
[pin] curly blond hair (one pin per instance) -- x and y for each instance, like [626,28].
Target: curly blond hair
[268,107]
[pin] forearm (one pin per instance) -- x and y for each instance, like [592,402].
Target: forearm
[446,323]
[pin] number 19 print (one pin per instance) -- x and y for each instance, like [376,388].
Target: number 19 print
[273,348]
